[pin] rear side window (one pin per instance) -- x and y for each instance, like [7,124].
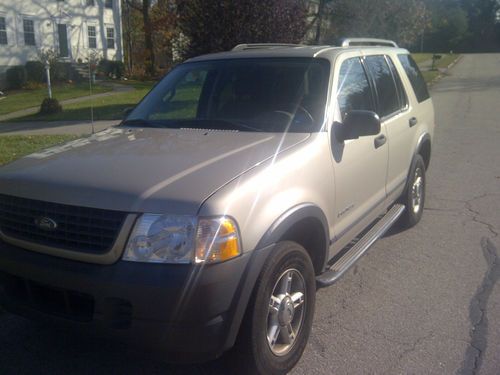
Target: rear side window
[415,77]
[388,100]
[354,92]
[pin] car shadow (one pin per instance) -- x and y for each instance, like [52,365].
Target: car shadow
[28,347]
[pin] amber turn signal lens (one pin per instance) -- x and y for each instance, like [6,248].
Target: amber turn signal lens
[217,240]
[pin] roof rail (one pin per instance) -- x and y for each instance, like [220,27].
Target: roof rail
[242,47]
[349,42]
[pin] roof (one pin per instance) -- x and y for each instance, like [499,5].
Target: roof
[286,50]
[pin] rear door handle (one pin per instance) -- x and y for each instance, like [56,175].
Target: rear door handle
[380,141]
[413,121]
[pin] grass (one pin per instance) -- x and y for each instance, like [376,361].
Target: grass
[16,146]
[22,99]
[445,60]
[106,108]
[421,57]
[430,75]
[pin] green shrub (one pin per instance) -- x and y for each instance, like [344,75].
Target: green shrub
[35,71]
[50,106]
[16,77]
[61,72]
[31,85]
[112,69]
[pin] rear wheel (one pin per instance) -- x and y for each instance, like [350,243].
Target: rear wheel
[279,317]
[414,196]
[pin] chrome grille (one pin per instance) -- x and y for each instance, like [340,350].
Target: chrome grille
[83,229]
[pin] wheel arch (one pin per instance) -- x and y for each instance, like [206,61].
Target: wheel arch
[293,225]
[305,224]
[424,148]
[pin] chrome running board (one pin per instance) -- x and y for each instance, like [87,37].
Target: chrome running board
[359,249]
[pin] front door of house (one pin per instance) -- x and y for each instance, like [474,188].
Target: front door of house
[62,32]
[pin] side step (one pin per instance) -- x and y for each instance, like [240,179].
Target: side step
[359,249]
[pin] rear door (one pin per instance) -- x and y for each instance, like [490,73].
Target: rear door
[394,111]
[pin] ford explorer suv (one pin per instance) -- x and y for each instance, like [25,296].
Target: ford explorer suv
[208,218]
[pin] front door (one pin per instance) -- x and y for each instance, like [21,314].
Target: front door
[62,32]
[360,165]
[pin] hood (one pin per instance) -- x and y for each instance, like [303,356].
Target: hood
[141,170]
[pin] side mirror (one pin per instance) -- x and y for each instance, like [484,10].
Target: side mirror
[127,111]
[357,124]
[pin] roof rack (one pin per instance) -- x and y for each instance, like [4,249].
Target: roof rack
[242,47]
[349,42]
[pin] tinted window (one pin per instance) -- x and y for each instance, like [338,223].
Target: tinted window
[354,92]
[388,101]
[181,102]
[274,95]
[403,99]
[415,77]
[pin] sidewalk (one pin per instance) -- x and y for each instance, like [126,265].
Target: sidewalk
[117,88]
[54,127]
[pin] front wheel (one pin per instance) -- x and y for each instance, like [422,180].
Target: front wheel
[414,195]
[279,317]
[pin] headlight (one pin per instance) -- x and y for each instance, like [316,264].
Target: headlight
[182,239]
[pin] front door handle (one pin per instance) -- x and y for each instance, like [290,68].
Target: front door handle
[413,121]
[380,141]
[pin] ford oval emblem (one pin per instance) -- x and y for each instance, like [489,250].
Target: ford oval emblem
[46,223]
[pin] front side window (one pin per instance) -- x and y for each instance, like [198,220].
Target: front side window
[266,95]
[354,92]
[92,37]
[415,76]
[110,38]
[3,31]
[29,32]
[388,100]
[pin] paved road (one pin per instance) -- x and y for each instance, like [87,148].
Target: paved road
[423,301]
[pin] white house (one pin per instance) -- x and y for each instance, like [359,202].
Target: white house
[73,28]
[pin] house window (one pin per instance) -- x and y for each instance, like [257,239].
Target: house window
[90,3]
[92,37]
[29,32]
[3,31]
[108,4]
[110,38]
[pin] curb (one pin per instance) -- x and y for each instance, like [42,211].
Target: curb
[440,75]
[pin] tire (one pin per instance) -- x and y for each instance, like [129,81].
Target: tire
[414,195]
[266,316]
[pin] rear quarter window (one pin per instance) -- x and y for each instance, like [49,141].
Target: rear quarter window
[415,76]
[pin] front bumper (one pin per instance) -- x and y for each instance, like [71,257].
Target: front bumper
[182,312]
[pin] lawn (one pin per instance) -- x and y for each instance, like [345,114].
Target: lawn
[15,146]
[445,60]
[430,75]
[105,108]
[421,57]
[22,99]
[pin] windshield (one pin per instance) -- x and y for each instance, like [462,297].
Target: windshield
[265,95]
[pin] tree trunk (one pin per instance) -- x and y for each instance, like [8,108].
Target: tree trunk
[148,36]
[319,22]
